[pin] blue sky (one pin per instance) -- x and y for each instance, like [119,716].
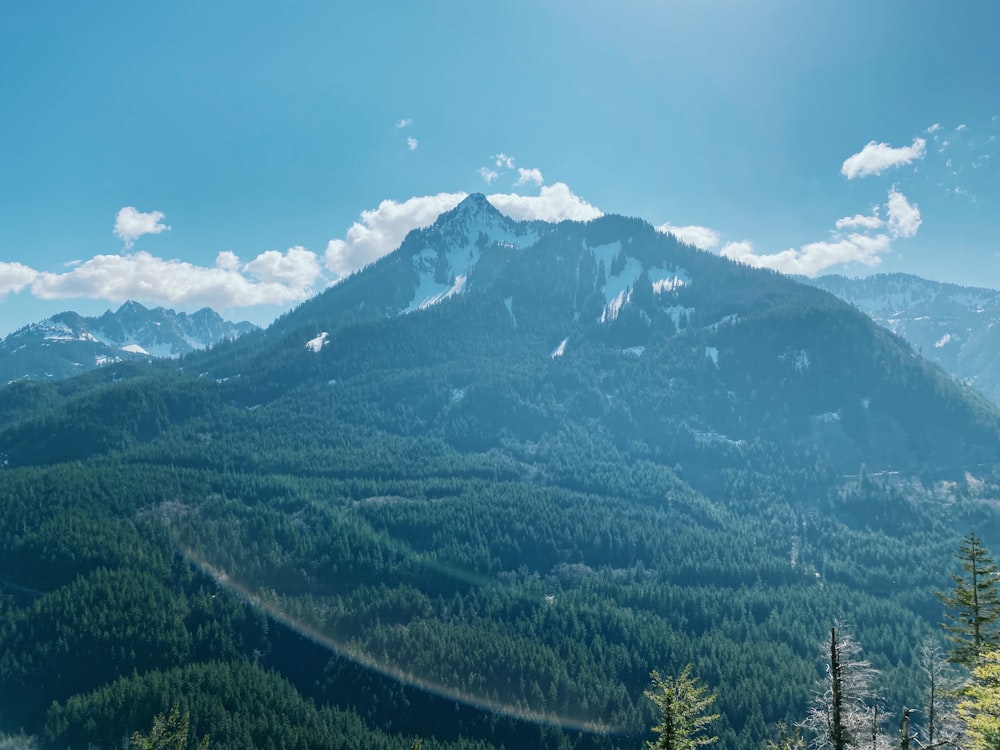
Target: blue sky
[245,155]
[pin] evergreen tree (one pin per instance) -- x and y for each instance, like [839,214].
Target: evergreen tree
[682,701]
[168,733]
[981,707]
[973,609]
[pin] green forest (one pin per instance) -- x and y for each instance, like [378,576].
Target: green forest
[374,586]
[433,529]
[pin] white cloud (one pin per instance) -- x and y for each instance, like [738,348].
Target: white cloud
[533,176]
[381,230]
[904,217]
[554,203]
[702,238]
[875,158]
[14,277]
[488,174]
[131,224]
[227,260]
[815,257]
[412,143]
[859,221]
[502,160]
[902,220]
[404,123]
[283,278]
[934,128]
[960,128]
[296,268]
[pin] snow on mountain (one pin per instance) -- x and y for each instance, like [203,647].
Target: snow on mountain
[315,344]
[68,343]
[952,325]
[454,246]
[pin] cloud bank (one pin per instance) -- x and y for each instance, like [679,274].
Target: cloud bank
[902,221]
[272,278]
[14,277]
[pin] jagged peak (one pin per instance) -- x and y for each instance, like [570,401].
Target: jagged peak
[473,207]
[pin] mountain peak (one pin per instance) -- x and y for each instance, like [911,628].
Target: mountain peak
[474,207]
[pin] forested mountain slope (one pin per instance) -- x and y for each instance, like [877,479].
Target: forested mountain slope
[492,480]
[955,326]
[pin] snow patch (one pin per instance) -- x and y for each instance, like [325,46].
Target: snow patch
[665,280]
[635,351]
[712,353]
[508,302]
[676,313]
[729,320]
[559,350]
[943,341]
[802,361]
[615,305]
[314,345]
[457,394]
[134,349]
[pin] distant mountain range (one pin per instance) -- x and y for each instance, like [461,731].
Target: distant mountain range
[956,326]
[68,343]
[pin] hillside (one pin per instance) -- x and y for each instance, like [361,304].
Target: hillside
[482,488]
[954,326]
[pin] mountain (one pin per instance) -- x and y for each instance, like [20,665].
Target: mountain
[956,326]
[68,344]
[480,489]
[667,335]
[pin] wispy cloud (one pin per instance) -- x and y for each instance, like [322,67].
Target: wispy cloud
[503,160]
[529,176]
[488,174]
[875,158]
[404,123]
[702,238]
[412,143]
[859,221]
[131,224]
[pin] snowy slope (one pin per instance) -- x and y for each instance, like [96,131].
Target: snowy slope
[68,343]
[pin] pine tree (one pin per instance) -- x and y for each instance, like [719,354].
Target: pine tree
[981,707]
[973,609]
[167,733]
[682,701]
